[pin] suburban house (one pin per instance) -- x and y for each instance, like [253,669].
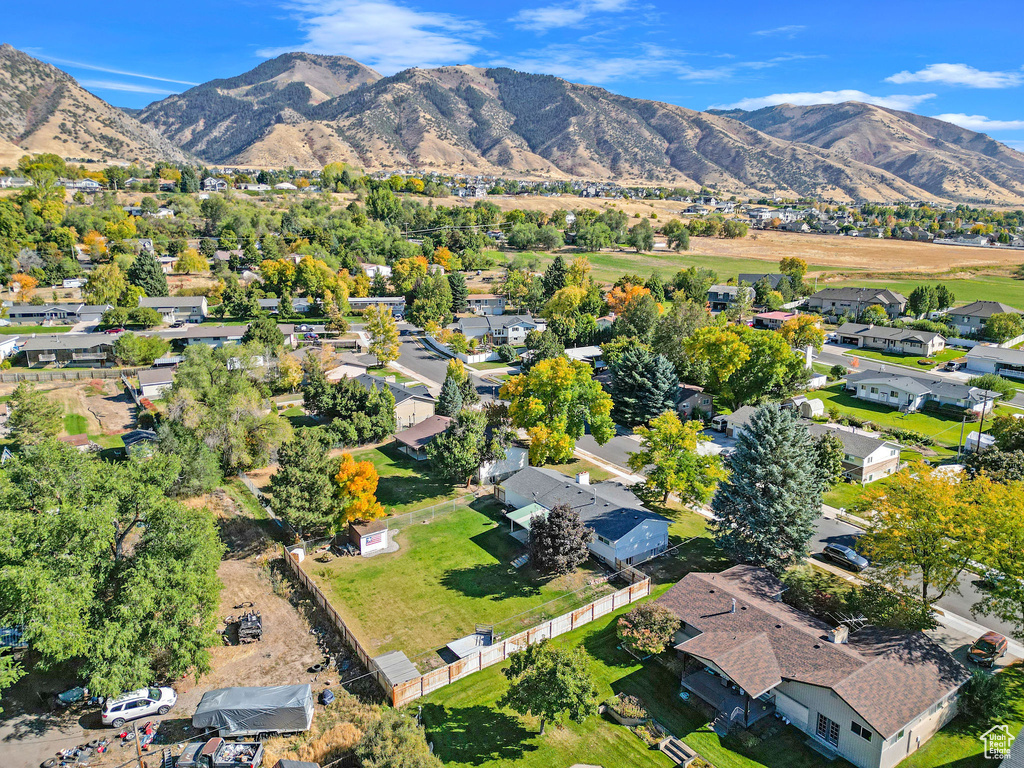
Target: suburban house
[910,393]
[503,329]
[412,405]
[413,441]
[853,301]
[154,382]
[517,457]
[721,297]
[188,309]
[591,355]
[869,695]
[215,335]
[486,304]
[79,349]
[899,340]
[625,532]
[211,184]
[774,279]
[866,457]
[971,318]
[772,321]
[692,399]
[372,270]
[9,345]
[270,305]
[54,314]
[988,359]
[395,303]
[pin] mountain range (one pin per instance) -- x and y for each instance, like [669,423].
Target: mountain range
[43,109]
[307,110]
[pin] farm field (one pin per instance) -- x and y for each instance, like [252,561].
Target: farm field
[449,574]
[983,287]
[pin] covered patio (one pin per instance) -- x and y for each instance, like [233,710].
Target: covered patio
[730,701]
[521,519]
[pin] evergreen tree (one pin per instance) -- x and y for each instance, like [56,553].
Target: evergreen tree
[455,454]
[146,273]
[644,385]
[558,543]
[828,457]
[449,402]
[264,331]
[554,277]
[765,512]
[302,487]
[460,293]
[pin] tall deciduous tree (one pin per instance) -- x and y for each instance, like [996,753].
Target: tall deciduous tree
[669,448]
[383,330]
[555,402]
[558,542]
[803,331]
[356,491]
[550,682]
[765,511]
[34,417]
[105,284]
[927,525]
[1004,508]
[263,331]
[644,385]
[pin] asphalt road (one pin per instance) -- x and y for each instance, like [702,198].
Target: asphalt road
[421,360]
[829,531]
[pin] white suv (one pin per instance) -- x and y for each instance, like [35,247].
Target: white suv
[141,703]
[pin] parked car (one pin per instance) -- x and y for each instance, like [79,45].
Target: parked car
[178,324]
[718,423]
[141,703]
[114,330]
[953,366]
[844,556]
[305,327]
[310,336]
[988,649]
[831,337]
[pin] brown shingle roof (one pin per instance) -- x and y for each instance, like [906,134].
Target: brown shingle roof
[418,435]
[887,677]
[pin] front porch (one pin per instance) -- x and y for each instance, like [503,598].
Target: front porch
[733,705]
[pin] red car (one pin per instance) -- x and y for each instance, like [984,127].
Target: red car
[114,330]
[988,649]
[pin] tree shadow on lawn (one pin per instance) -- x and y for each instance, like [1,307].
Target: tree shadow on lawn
[697,554]
[497,581]
[475,735]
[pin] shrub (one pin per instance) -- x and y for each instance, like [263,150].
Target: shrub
[646,629]
[837,371]
[984,698]
[507,353]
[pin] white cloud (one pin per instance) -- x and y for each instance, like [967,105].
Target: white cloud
[382,34]
[805,99]
[581,64]
[959,74]
[980,122]
[565,15]
[114,85]
[68,62]
[789,30]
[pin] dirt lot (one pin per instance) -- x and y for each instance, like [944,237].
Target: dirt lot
[290,647]
[108,409]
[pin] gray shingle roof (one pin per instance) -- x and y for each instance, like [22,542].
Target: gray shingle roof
[68,341]
[914,385]
[157,302]
[984,309]
[1005,356]
[884,332]
[494,322]
[862,295]
[400,392]
[609,508]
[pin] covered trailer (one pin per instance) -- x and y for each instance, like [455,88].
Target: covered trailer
[252,711]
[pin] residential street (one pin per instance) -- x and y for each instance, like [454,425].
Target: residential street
[432,366]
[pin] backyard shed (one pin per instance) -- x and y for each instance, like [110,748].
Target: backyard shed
[396,667]
[370,538]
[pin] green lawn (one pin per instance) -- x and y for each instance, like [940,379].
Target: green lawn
[911,361]
[945,430]
[405,484]
[490,365]
[75,424]
[293,411]
[597,474]
[609,266]
[27,329]
[468,729]
[107,441]
[981,287]
[958,744]
[448,575]
[400,378]
[846,495]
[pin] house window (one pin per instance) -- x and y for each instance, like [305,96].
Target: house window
[861,731]
[603,540]
[828,730]
[874,390]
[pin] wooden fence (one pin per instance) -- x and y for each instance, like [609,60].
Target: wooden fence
[77,374]
[403,693]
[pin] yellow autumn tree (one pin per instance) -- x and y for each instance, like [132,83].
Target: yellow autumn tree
[95,244]
[26,283]
[443,257]
[803,330]
[191,261]
[356,483]
[622,297]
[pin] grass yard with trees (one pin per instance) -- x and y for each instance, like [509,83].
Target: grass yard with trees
[911,361]
[449,574]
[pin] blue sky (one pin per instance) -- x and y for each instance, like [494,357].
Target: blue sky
[961,62]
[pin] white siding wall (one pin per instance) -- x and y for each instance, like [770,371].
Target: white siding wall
[648,537]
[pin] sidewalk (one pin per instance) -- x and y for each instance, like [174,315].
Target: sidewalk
[620,472]
[399,368]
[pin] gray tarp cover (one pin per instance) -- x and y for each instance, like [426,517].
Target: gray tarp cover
[246,710]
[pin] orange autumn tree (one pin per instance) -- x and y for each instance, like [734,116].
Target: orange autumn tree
[622,297]
[26,283]
[356,483]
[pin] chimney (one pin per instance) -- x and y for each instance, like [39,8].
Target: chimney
[583,478]
[839,635]
[733,610]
